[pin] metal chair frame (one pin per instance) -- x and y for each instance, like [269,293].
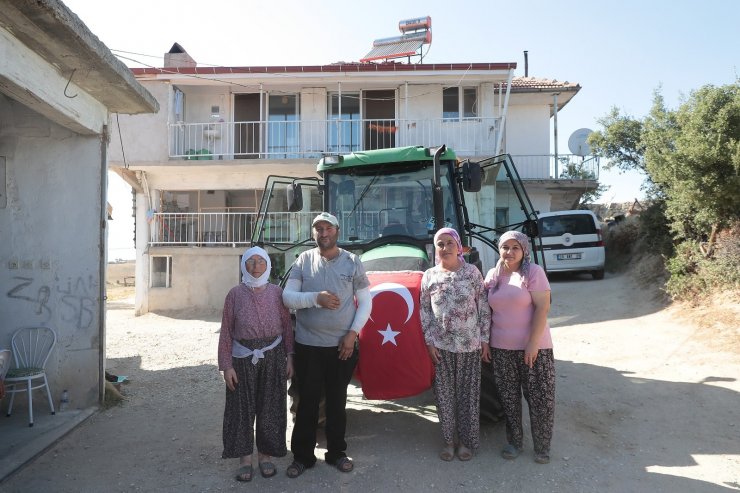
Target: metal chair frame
[32,347]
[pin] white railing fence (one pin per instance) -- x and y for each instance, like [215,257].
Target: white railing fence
[312,139]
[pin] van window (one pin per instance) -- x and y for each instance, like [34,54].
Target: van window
[580,224]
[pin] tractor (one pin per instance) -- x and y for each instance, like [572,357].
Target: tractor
[389,203]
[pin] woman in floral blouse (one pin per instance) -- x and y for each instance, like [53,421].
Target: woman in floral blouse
[455,318]
[255,352]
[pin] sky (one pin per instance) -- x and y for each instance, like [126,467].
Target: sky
[619,51]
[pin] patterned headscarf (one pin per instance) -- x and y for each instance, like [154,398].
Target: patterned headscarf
[455,236]
[249,279]
[494,274]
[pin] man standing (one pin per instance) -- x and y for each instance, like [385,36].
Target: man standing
[322,287]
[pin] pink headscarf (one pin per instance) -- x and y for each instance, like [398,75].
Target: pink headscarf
[455,236]
[494,274]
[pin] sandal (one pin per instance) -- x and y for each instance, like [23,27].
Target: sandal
[510,452]
[344,464]
[267,469]
[542,458]
[244,474]
[295,469]
[447,453]
[464,453]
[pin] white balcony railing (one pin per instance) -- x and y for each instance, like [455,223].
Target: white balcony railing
[569,167]
[235,228]
[226,228]
[311,139]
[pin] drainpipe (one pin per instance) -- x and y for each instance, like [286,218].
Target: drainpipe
[555,127]
[103,261]
[263,137]
[439,212]
[500,137]
[339,119]
[406,113]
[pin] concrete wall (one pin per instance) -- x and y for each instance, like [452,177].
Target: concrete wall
[50,249]
[528,130]
[201,278]
[143,137]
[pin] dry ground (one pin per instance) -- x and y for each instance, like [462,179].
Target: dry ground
[648,399]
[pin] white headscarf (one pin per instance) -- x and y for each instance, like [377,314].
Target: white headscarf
[249,279]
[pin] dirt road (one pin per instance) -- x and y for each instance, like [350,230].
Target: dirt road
[646,401]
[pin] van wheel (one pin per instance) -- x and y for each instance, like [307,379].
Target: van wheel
[597,274]
[491,409]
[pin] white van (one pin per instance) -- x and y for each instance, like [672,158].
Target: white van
[572,242]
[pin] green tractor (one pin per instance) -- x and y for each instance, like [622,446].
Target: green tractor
[389,203]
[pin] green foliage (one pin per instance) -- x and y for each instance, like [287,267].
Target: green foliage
[620,142]
[620,241]
[691,157]
[654,230]
[692,274]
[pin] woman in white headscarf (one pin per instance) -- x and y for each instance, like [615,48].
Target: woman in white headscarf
[255,353]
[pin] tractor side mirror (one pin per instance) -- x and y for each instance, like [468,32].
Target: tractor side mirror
[531,228]
[471,176]
[295,197]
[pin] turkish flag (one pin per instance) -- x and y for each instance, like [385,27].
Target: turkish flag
[394,362]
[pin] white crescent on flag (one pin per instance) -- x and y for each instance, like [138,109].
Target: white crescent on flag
[400,290]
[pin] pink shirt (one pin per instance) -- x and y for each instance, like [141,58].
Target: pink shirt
[512,310]
[253,315]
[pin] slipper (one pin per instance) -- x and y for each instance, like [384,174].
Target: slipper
[344,464]
[267,469]
[447,453]
[295,469]
[244,474]
[510,452]
[464,453]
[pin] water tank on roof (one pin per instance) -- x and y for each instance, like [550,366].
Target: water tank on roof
[415,24]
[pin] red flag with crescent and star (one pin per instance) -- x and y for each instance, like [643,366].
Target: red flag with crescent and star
[394,362]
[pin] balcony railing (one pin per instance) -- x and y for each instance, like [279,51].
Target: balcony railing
[569,167]
[307,139]
[225,228]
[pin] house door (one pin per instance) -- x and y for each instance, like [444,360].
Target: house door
[380,119]
[246,126]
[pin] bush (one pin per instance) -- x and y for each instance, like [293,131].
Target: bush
[620,241]
[693,275]
[655,231]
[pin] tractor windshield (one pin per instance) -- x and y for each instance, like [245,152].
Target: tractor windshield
[386,200]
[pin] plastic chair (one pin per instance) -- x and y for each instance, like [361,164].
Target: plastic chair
[31,349]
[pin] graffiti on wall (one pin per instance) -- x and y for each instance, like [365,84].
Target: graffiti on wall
[72,300]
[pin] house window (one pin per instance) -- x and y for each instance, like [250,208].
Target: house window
[344,125]
[282,139]
[160,273]
[458,101]
[502,217]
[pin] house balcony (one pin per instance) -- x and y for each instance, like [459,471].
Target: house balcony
[564,167]
[309,139]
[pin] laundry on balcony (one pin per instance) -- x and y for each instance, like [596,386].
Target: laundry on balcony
[198,155]
[385,129]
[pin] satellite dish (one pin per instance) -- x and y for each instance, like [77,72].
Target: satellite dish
[577,142]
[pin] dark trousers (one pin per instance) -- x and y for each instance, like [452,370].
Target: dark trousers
[319,370]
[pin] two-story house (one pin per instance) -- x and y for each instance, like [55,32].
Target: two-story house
[199,165]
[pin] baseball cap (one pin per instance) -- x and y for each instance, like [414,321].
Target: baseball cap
[325,216]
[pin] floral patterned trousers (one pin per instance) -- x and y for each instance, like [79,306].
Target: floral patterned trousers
[514,378]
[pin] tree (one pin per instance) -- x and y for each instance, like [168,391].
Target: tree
[691,157]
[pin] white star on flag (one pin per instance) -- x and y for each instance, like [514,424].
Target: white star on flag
[389,335]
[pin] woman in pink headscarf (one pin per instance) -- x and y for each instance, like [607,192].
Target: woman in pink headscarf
[455,320]
[521,345]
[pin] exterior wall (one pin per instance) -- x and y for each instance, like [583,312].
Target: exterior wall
[528,130]
[201,278]
[144,137]
[50,253]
